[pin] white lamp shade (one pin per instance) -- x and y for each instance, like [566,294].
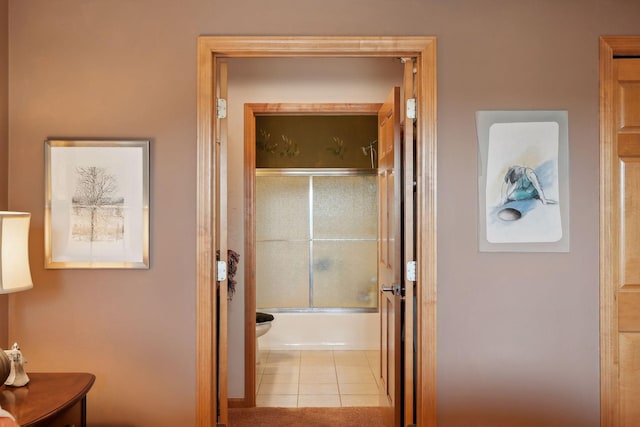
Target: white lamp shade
[14,252]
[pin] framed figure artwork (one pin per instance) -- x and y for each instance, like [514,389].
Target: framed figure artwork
[523,183]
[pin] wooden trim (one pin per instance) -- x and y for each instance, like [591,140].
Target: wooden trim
[620,45]
[250,356]
[610,47]
[349,47]
[313,108]
[426,236]
[317,109]
[424,49]
[236,402]
[608,341]
[206,377]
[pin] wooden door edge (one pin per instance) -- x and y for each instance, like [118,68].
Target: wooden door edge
[409,243]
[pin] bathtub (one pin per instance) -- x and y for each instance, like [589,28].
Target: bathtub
[323,331]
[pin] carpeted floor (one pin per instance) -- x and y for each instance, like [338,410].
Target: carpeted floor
[305,417]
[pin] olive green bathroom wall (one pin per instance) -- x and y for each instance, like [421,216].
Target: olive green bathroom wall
[517,332]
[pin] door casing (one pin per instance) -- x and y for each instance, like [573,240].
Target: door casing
[610,48]
[211,49]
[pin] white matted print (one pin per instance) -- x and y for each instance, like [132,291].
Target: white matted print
[97,204]
[523,185]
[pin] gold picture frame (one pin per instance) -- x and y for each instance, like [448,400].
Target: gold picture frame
[96,204]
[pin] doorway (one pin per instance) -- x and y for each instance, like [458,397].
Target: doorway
[210,51]
[311,261]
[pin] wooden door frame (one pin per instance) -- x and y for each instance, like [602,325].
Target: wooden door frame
[610,48]
[213,48]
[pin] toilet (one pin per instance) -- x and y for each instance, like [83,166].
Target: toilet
[263,324]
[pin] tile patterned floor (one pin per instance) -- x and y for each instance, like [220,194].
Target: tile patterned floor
[326,378]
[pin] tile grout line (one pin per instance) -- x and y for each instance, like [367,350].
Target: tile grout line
[335,372]
[299,375]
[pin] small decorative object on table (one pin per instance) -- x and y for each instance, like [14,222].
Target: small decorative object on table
[17,376]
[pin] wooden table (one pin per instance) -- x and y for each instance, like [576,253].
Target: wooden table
[50,399]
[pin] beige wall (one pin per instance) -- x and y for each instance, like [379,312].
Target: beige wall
[518,333]
[122,70]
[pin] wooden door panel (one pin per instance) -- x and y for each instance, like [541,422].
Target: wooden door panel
[629,379]
[383,218]
[630,198]
[629,94]
[392,229]
[385,334]
[629,97]
[390,349]
[629,312]
[628,145]
[627,114]
[389,238]
[620,245]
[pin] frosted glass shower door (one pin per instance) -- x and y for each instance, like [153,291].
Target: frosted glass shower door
[316,241]
[345,242]
[282,241]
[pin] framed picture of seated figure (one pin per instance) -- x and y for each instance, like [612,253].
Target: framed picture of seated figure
[523,183]
[96,203]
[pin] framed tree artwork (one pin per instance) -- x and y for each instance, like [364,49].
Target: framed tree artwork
[97,204]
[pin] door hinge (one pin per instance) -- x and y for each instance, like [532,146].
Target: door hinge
[411,271]
[221,271]
[411,108]
[221,108]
